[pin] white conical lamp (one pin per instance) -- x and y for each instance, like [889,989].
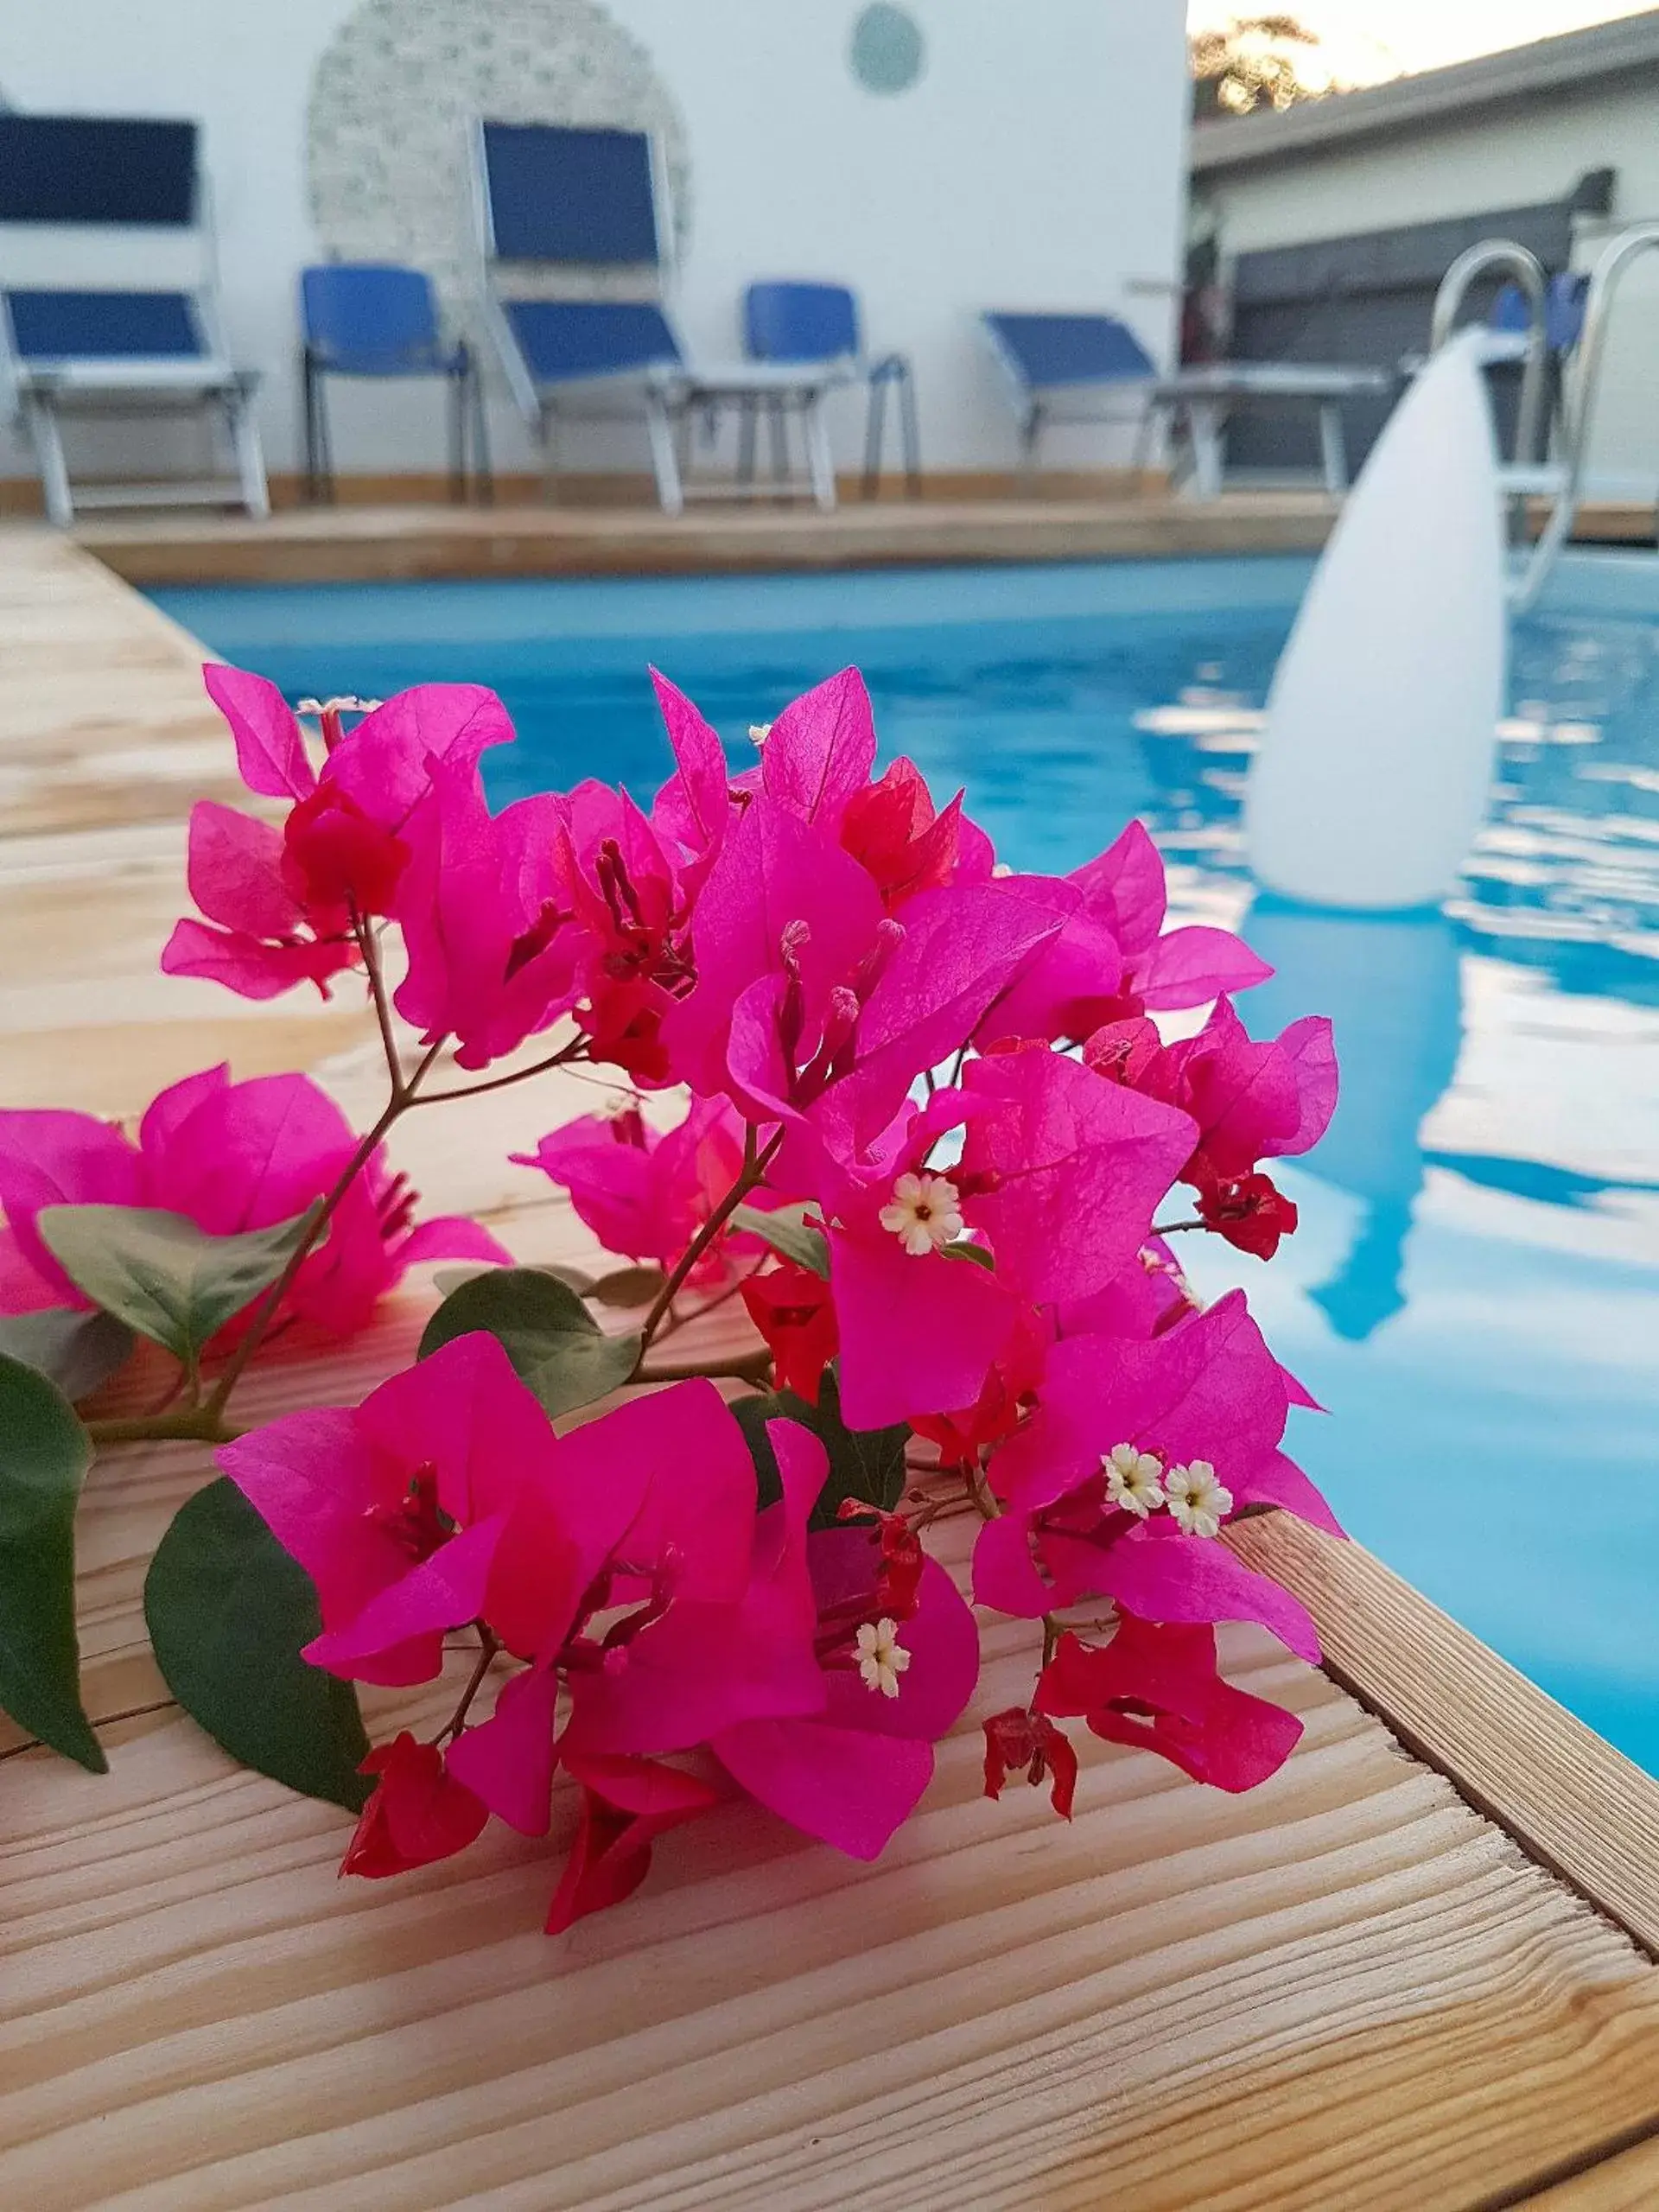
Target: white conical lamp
[1375,759]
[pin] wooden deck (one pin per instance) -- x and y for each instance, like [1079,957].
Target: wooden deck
[1412,1972]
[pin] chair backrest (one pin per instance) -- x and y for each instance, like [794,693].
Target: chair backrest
[1564,299]
[1043,350]
[103,171]
[794,322]
[586,199]
[370,318]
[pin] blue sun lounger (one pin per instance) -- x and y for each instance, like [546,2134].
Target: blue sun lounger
[1092,368]
[569,219]
[89,205]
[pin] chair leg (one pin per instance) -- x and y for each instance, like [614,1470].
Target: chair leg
[308,422]
[1146,431]
[1030,431]
[1205,419]
[1333,449]
[324,482]
[250,457]
[549,441]
[821,462]
[747,428]
[659,428]
[482,474]
[910,433]
[778,424]
[455,394]
[875,425]
[46,435]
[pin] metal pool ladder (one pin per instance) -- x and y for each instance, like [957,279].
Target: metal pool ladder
[1563,480]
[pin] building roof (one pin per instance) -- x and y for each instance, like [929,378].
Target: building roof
[1520,73]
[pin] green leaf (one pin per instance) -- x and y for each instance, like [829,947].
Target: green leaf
[44,1456]
[73,1350]
[963,1250]
[162,1275]
[786,1231]
[556,1345]
[867,1463]
[229,1613]
[629,1287]
[449,1280]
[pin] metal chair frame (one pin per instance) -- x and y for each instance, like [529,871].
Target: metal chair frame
[881,372]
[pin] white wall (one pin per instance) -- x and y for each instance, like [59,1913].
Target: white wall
[1503,157]
[1039,163]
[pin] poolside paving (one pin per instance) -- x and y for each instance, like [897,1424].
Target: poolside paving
[1393,1978]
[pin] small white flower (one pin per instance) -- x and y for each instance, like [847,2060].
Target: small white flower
[346,705]
[1197,1499]
[924,1214]
[1134,1480]
[881,1658]
[759,732]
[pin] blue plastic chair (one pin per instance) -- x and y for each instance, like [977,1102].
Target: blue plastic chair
[134,181]
[792,320]
[374,319]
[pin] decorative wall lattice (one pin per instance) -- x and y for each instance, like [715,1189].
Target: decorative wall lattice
[395,90]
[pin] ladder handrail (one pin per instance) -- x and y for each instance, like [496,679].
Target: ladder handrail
[1475,261]
[1586,381]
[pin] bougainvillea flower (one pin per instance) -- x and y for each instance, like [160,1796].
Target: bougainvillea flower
[1156,1685]
[728,1631]
[395,1508]
[1251,1100]
[627,1803]
[645,1194]
[281,904]
[229,1157]
[1026,1742]
[692,811]
[853,1772]
[1066,1168]
[1250,1211]
[491,958]
[417,1814]
[1124,890]
[1008,1393]
[820,751]
[620,888]
[782,904]
[793,1309]
[891,829]
[1206,1401]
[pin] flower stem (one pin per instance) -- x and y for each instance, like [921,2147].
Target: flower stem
[1174,1228]
[371,951]
[488,1648]
[756,1160]
[563,1057]
[402,1097]
[190,1425]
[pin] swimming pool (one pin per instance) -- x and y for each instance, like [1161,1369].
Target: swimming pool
[1474,1289]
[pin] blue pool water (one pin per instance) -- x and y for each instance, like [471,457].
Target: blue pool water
[1474,1289]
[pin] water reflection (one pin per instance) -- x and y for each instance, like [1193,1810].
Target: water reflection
[1392,987]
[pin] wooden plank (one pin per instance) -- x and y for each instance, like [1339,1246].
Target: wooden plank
[406,542]
[1574,1801]
[1627,2183]
[1345,1989]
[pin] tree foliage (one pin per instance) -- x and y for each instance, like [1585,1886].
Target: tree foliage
[1250,62]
